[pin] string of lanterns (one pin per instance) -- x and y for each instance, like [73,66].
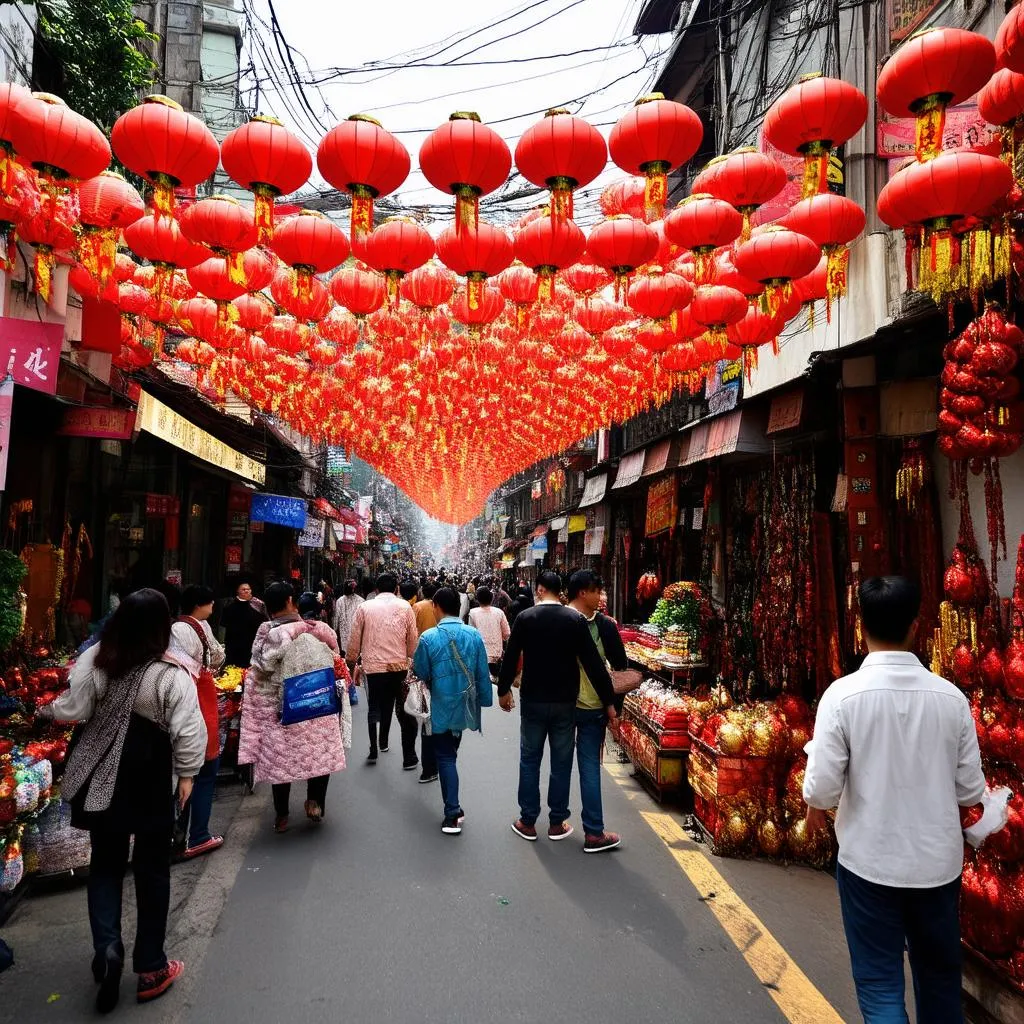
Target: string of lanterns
[451,362]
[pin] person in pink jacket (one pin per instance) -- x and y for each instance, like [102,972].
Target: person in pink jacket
[283,754]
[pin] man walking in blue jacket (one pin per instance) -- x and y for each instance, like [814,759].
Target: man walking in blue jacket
[452,660]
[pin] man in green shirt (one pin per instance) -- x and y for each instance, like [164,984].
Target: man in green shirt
[584,595]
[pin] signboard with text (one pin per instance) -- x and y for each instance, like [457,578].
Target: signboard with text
[662,508]
[278,509]
[30,352]
[110,423]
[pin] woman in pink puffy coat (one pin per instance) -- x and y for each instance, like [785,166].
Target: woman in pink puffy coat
[283,754]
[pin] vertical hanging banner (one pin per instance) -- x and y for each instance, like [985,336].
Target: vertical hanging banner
[6,406]
[30,350]
[662,508]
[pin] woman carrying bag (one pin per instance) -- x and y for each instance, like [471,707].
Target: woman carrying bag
[142,725]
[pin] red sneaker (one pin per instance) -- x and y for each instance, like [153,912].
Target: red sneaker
[527,832]
[154,984]
[598,844]
[207,846]
[560,831]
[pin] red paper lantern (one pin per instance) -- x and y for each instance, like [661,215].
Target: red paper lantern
[359,290]
[307,305]
[746,179]
[810,119]
[756,328]
[58,142]
[161,241]
[253,311]
[468,160]
[548,245]
[341,328]
[11,97]
[586,278]
[716,308]
[572,341]
[107,204]
[476,254]
[397,247]
[360,156]
[50,231]
[225,227]
[286,334]
[703,224]
[166,146]
[1010,40]
[563,153]
[200,317]
[727,274]
[652,139]
[258,268]
[1001,100]
[428,286]
[626,195]
[520,286]
[621,245]
[776,257]
[310,244]
[930,71]
[487,308]
[21,202]
[832,222]
[268,160]
[212,279]
[596,316]
[656,294]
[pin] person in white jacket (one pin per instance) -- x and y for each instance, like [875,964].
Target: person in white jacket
[344,612]
[142,725]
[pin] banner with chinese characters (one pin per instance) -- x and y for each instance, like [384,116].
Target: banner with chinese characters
[161,421]
[278,509]
[30,352]
[312,535]
[662,509]
[906,16]
[110,423]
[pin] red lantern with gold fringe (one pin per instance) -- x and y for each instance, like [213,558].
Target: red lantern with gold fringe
[652,139]
[475,254]
[310,244]
[832,222]
[161,241]
[547,246]
[485,310]
[1010,40]
[776,257]
[364,159]
[56,140]
[11,97]
[586,278]
[397,247]
[359,290]
[561,152]
[621,245]
[307,305]
[520,286]
[702,224]
[656,294]
[168,147]
[225,227]
[468,160]
[107,204]
[428,286]
[267,159]
[745,178]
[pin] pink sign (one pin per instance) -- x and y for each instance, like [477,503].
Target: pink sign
[965,129]
[6,405]
[84,421]
[30,352]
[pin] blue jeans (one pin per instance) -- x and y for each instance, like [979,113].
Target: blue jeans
[445,746]
[590,729]
[879,921]
[201,802]
[555,723]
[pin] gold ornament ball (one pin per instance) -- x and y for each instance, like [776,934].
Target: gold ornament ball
[735,831]
[798,840]
[730,739]
[760,738]
[770,837]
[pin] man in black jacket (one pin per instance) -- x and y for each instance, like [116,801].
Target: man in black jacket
[555,642]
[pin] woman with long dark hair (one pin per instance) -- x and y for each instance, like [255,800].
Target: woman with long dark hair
[142,725]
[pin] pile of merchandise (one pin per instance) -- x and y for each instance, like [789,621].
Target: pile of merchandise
[677,635]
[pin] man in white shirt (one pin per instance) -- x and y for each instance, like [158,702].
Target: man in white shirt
[895,748]
[492,625]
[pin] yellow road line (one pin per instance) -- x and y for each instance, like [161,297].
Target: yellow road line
[791,989]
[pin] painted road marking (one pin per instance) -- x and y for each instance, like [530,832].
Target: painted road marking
[793,992]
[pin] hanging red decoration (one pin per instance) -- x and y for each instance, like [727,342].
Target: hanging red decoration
[621,245]
[488,307]
[746,179]
[932,70]
[212,279]
[716,307]
[267,159]
[285,334]
[107,204]
[171,149]
[563,153]
[1010,40]
[225,227]
[161,241]
[812,118]
[626,195]
[397,247]
[595,315]
[428,286]
[656,294]
[547,246]
[776,257]
[58,142]
[702,224]
[468,160]
[756,328]
[360,156]
[520,286]
[476,255]
[652,139]
[359,290]
[310,244]
[586,278]
[11,97]
[307,305]
[253,312]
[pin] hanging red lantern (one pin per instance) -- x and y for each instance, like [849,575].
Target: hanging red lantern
[626,195]
[596,316]
[702,224]
[308,304]
[812,288]
[21,202]
[200,317]
[169,148]
[341,328]
[756,328]
[716,308]
[310,244]
[547,246]
[621,245]
[161,241]
[428,286]
[468,160]
[50,231]
[253,311]
[57,141]
[586,278]
[832,222]
[563,153]
[397,247]
[488,306]
[656,294]
[520,286]
[572,341]
[267,159]
[1010,40]
[359,290]
[475,255]
[727,274]
[932,70]
[212,279]
[652,139]
[1001,102]
[258,268]
[812,118]
[360,156]
[107,204]
[747,179]
[285,334]
[225,227]
[776,257]
[11,97]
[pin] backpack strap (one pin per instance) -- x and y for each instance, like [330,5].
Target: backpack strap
[199,632]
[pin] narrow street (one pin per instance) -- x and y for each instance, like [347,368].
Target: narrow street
[378,916]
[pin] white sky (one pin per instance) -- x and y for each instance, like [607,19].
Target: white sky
[413,101]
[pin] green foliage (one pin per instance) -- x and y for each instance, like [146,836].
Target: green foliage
[89,53]
[12,572]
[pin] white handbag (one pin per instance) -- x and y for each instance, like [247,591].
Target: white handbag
[417,702]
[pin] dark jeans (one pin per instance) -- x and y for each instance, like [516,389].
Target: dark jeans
[201,803]
[428,756]
[316,789]
[151,866]
[445,746]
[590,729]
[879,921]
[554,723]
[385,696]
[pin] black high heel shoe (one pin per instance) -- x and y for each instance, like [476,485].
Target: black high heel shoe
[106,969]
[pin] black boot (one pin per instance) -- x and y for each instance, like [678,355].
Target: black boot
[372,759]
[106,969]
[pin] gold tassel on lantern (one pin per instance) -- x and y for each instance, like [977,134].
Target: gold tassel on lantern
[236,267]
[941,270]
[815,180]
[836,276]
[163,194]
[475,289]
[362,210]
[43,269]
[979,239]
[655,188]
[467,208]
[545,283]
[263,212]
[931,122]
[561,197]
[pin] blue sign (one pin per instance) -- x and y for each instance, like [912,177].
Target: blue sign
[539,545]
[276,508]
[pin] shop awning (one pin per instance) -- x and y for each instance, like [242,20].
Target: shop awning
[559,523]
[577,524]
[593,493]
[739,431]
[656,457]
[698,444]
[594,542]
[630,468]
[325,510]
[908,407]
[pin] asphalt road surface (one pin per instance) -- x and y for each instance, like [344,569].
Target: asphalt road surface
[378,916]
